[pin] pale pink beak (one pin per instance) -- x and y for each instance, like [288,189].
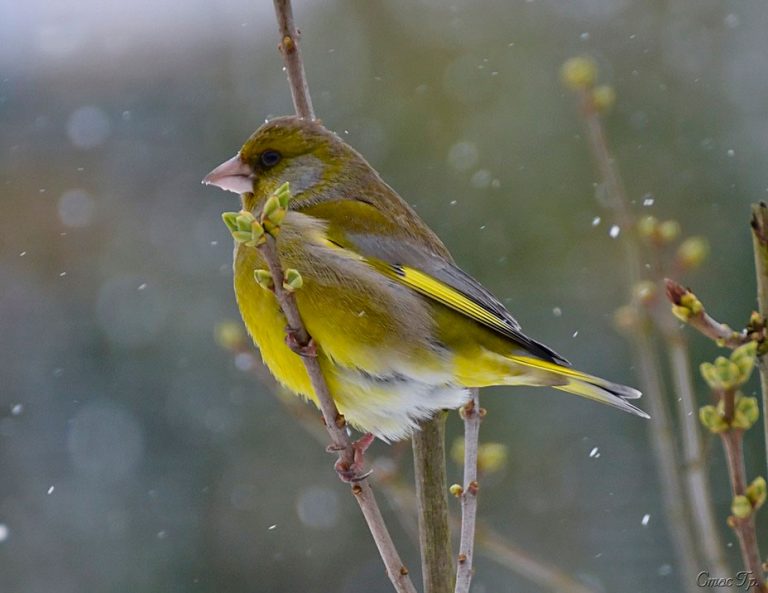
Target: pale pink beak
[233,175]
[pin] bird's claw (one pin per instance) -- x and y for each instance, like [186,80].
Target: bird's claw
[353,472]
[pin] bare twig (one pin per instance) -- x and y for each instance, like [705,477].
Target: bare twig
[334,422]
[472,414]
[650,375]
[431,497]
[693,313]
[289,47]
[760,244]
[744,527]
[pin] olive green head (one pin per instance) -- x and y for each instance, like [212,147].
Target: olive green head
[299,151]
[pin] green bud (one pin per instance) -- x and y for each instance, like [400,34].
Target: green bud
[603,98]
[230,219]
[692,252]
[744,358]
[690,301]
[682,313]
[283,194]
[456,490]
[244,220]
[579,73]
[270,206]
[745,413]
[756,492]
[242,236]
[712,420]
[257,234]
[709,372]
[272,215]
[741,507]
[292,280]
[264,279]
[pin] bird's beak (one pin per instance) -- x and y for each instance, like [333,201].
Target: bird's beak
[233,175]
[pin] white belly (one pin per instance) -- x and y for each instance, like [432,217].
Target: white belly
[392,407]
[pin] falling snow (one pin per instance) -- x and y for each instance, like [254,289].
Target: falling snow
[614,232]
[645,520]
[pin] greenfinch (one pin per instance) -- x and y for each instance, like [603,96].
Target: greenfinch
[401,331]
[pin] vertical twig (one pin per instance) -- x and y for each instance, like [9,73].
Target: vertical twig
[472,414]
[289,47]
[334,422]
[745,528]
[432,506]
[661,425]
[760,244]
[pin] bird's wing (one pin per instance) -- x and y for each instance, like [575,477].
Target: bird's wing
[408,255]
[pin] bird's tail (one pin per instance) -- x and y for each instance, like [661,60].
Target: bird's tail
[594,388]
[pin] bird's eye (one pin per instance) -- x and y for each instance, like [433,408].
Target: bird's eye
[269,158]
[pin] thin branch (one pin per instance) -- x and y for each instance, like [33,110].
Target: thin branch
[650,375]
[432,501]
[694,468]
[472,414]
[334,422]
[689,309]
[289,47]
[744,527]
[760,244]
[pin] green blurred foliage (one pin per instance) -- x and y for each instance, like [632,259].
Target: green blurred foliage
[136,456]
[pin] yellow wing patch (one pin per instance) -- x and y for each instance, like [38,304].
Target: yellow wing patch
[435,290]
[442,293]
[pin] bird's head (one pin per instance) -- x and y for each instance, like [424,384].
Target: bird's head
[298,151]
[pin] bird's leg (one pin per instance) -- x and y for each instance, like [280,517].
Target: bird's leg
[354,472]
[309,349]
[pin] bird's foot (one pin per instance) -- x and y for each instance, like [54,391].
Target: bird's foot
[354,472]
[309,349]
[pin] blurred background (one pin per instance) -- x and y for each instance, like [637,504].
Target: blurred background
[137,454]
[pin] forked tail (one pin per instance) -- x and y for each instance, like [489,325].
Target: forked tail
[585,385]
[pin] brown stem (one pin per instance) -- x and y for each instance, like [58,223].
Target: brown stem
[701,321]
[472,416]
[744,528]
[760,244]
[432,506]
[289,47]
[650,375]
[334,422]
